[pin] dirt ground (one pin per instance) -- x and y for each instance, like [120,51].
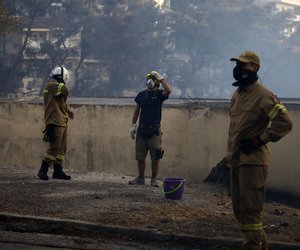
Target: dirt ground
[108,199]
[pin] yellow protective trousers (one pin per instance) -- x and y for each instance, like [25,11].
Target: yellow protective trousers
[57,149]
[248,195]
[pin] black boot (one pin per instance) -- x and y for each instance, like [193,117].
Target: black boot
[42,174]
[58,173]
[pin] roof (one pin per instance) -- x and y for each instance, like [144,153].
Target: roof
[290,2]
[41,22]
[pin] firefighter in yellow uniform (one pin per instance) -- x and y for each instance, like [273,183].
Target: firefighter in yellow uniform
[56,120]
[256,117]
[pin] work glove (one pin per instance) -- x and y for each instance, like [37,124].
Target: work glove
[70,114]
[133,129]
[49,133]
[156,75]
[247,146]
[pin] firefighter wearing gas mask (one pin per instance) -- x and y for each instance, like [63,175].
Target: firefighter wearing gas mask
[147,133]
[56,118]
[257,117]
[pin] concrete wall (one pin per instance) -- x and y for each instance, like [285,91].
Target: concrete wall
[99,140]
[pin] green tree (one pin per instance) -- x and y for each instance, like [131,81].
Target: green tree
[209,32]
[29,10]
[65,24]
[126,41]
[123,40]
[8,24]
[62,23]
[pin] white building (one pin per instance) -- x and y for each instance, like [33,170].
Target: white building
[290,6]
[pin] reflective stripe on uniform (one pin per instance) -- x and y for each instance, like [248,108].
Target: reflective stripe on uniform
[251,227]
[45,90]
[49,157]
[60,85]
[60,158]
[275,111]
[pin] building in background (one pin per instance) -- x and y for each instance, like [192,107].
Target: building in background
[292,7]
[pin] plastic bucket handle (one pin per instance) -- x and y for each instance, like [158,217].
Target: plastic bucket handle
[171,191]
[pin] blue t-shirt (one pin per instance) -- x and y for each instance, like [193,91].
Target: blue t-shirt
[150,103]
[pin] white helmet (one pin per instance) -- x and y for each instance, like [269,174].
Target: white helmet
[61,72]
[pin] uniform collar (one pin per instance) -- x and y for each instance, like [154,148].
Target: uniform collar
[249,87]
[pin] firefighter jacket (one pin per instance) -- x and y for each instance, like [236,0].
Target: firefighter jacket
[255,111]
[55,101]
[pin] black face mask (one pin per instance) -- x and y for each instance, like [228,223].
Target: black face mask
[243,77]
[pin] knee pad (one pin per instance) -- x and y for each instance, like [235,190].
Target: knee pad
[158,154]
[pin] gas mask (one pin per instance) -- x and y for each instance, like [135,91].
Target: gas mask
[151,84]
[243,77]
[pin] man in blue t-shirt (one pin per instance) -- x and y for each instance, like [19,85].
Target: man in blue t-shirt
[148,134]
